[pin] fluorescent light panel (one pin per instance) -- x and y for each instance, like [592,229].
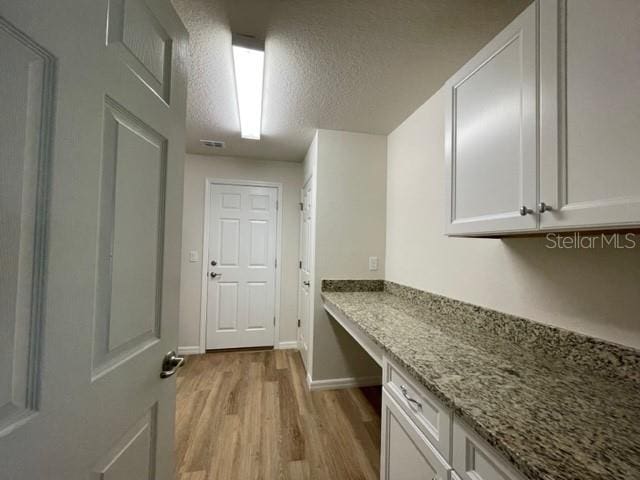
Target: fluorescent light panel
[248,64]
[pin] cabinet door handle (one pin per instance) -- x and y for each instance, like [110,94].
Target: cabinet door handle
[543,207]
[406,395]
[525,211]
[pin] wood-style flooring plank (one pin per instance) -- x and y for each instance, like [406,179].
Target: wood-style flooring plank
[249,415]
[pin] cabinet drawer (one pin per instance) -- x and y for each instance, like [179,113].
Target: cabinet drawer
[429,414]
[474,459]
[406,454]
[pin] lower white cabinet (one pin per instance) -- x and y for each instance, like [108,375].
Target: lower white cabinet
[423,440]
[405,453]
[474,459]
[426,412]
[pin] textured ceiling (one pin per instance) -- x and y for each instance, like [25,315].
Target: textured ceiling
[356,65]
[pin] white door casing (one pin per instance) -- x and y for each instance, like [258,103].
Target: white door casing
[91,156]
[589,114]
[242,240]
[491,135]
[305,271]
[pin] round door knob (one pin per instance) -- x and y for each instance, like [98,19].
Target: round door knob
[213,263]
[525,211]
[543,207]
[214,274]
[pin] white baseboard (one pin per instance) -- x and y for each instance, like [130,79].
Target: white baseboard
[287,345]
[189,350]
[339,383]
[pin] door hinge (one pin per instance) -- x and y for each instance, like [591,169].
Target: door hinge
[276,263]
[274,321]
[298,323]
[301,206]
[300,264]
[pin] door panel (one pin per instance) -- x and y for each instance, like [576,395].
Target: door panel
[590,111]
[242,243]
[111,202]
[133,457]
[227,314]
[146,46]
[229,249]
[491,135]
[258,305]
[258,243]
[130,236]
[25,126]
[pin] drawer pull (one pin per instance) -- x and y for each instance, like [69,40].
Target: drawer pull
[405,394]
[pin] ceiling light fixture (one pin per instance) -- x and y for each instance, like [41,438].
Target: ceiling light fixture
[248,65]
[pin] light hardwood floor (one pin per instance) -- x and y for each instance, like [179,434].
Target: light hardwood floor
[249,415]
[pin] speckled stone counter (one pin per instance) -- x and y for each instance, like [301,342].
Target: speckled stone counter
[558,405]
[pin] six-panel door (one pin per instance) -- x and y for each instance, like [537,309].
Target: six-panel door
[241,266]
[93,101]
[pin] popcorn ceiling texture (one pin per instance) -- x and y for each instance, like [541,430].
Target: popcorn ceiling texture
[356,65]
[558,405]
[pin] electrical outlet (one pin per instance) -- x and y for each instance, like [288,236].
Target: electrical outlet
[373,264]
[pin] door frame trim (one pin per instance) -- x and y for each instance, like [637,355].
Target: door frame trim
[209,181]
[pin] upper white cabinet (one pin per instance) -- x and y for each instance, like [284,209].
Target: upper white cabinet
[541,125]
[590,113]
[490,130]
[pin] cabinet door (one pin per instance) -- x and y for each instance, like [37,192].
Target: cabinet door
[590,112]
[490,135]
[474,459]
[406,453]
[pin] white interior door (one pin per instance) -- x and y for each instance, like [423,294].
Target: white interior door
[93,101]
[242,266]
[304,290]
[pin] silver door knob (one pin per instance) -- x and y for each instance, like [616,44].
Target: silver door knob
[525,211]
[543,207]
[170,364]
[306,283]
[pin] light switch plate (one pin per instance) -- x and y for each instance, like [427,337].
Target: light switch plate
[373,264]
[193,256]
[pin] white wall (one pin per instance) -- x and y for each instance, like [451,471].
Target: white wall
[590,291]
[350,227]
[197,169]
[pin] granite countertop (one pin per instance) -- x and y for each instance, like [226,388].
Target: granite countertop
[553,417]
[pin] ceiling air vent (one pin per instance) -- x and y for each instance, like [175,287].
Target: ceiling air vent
[212,143]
